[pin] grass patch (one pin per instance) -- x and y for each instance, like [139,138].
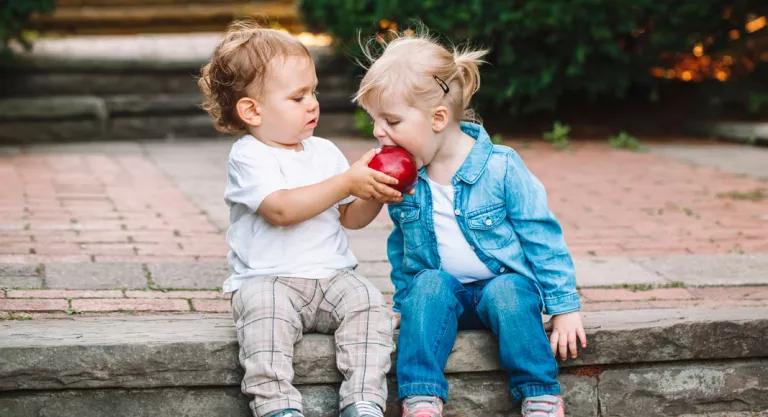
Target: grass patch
[559,136]
[626,141]
[645,287]
[757,195]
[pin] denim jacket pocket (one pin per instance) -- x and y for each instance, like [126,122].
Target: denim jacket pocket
[408,215]
[490,227]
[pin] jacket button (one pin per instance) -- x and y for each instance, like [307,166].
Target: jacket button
[402,215]
[457,212]
[502,269]
[489,222]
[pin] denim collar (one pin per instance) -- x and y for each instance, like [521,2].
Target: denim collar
[478,157]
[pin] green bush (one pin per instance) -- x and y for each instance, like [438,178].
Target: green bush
[559,136]
[14,16]
[626,141]
[545,50]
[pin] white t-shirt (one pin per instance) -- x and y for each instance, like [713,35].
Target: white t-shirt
[456,256]
[315,248]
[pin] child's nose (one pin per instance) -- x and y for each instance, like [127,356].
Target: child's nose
[381,135]
[386,141]
[313,104]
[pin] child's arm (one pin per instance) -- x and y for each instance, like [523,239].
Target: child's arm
[289,207]
[543,244]
[359,213]
[541,237]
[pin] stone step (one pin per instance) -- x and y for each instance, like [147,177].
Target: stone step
[109,67]
[134,16]
[157,116]
[638,363]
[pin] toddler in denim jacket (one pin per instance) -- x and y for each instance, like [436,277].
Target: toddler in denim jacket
[475,247]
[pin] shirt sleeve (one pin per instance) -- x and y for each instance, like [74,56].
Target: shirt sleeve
[251,178]
[541,238]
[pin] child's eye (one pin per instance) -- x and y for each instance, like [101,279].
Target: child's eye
[393,122]
[298,99]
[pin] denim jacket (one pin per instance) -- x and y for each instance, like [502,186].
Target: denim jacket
[502,212]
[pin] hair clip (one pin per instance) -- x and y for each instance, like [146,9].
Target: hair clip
[442,83]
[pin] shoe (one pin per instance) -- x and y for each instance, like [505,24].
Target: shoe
[362,409]
[422,406]
[289,412]
[543,406]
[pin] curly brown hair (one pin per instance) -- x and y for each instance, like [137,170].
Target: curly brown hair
[239,67]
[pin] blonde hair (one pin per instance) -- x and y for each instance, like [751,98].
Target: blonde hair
[239,67]
[408,66]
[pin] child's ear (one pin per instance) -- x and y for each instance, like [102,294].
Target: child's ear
[439,118]
[248,111]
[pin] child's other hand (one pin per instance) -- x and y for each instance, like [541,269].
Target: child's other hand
[565,329]
[369,184]
[396,318]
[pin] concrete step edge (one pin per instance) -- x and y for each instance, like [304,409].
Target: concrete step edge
[201,350]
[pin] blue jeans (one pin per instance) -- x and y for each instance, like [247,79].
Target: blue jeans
[437,305]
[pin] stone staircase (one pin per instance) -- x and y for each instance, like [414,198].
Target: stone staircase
[158,16]
[141,87]
[683,362]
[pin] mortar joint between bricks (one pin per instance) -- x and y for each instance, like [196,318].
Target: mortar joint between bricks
[148,275]
[191,306]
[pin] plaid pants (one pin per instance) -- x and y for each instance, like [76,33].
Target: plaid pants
[271,313]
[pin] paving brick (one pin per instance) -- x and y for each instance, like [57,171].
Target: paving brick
[731,293]
[212,306]
[599,271]
[174,294]
[95,276]
[669,304]
[145,258]
[704,270]
[160,249]
[129,305]
[620,294]
[38,259]
[13,281]
[64,294]
[189,275]
[8,304]
[19,269]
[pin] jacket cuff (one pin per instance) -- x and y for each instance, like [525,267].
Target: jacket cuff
[562,304]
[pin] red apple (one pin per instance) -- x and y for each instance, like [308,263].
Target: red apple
[398,164]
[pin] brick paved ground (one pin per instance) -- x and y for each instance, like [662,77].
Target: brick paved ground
[151,205]
[98,208]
